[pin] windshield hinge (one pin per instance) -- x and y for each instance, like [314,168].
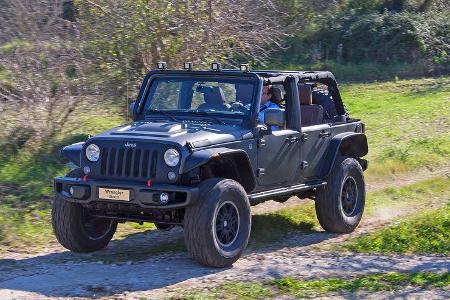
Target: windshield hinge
[190,146]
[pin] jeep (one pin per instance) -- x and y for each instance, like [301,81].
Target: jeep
[200,152]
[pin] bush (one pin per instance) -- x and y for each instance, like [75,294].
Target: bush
[363,37]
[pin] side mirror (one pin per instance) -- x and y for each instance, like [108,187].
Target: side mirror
[275,117]
[132,105]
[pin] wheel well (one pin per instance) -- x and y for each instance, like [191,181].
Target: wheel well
[234,166]
[354,146]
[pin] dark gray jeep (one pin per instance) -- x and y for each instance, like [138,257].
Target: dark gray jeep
[198,156]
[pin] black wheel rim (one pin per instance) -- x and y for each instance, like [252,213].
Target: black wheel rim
[96,228]
[227,224]
[349,196]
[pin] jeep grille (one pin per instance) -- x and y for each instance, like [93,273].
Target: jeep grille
[128,162]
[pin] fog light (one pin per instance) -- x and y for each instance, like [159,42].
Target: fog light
[215,66]
[171,176]
[162,65]
[79,191]
[244,68]
[86,170]
[164,198]
[187,66]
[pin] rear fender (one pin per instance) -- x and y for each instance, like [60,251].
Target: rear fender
[345,144]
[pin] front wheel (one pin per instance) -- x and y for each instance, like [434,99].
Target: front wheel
[217,228]
[340,204]
[76,230]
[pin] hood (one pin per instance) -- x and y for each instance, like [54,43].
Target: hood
[199,135]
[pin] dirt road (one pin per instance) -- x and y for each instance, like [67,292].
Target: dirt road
[56,273]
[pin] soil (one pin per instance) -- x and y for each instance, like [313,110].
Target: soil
[118,272]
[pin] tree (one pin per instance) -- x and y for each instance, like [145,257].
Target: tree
[43,70]
[125,38]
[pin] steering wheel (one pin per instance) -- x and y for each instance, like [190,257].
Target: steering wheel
[239,106]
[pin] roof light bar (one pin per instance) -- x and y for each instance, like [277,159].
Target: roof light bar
[244,68]
[215,66]
[187,66]
[162,65]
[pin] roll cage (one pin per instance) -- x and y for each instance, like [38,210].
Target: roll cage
[289,79]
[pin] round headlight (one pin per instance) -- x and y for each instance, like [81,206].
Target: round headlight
[171,157]
[92,152]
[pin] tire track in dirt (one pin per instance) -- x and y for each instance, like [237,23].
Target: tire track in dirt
[63,274]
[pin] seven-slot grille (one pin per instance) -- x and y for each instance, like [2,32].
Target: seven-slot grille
[128,162]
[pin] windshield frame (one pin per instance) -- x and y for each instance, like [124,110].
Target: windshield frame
[247,119]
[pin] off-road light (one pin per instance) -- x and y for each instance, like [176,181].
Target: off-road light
[215,66]
[92,152]
[164,198]
[86,170]
[171,157]
[244,68]
[187,66]
[171,175]
[162,65]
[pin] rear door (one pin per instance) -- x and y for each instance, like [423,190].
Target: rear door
[315,141]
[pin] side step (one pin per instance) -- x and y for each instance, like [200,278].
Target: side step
[267,195]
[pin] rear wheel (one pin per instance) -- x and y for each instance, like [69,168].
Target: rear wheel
[75,229]
[340,204]
[217,228]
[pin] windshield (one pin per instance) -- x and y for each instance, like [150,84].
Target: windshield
[227,96]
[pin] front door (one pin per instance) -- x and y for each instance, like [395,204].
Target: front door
[278,158]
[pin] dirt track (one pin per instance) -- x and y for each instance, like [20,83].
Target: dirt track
[58,273]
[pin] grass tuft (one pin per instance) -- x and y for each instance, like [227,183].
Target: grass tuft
[428,232]
[299,288]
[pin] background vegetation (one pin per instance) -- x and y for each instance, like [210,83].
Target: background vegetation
[68,68]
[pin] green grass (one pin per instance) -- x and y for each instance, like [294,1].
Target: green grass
[407,127]
[417,195]
[271,227]
[407,124]
[26,185]
[299,288]
[428,232]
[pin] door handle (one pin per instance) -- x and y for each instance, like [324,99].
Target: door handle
[292,139]
[325,134]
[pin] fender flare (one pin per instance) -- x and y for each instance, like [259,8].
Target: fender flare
[73,153]
[202,157]
[345,144]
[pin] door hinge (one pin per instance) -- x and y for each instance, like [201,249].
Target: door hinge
[304,137]
[261,143]
[304,164]
[260,172]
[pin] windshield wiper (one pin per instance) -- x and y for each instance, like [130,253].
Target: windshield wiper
[161,112]
[206,114]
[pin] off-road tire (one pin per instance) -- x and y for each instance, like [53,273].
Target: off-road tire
[75,230]
[334,211]
[218,198]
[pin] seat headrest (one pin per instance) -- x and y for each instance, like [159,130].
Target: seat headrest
[305,94]
[214,96]
[277,95]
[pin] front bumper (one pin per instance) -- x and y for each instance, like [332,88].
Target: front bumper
[140,193]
